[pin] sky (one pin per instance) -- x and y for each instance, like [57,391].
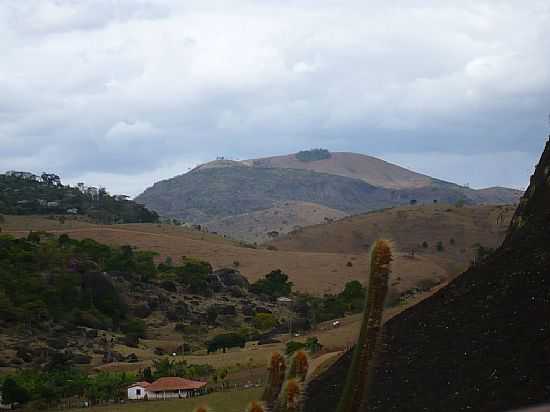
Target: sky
[122,93]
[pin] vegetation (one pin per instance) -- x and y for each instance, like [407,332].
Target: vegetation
[226,341]
[23,193]
[329,306]
[275,285]
[354,397]
[46,277]
[264,321]
[312,155]
[481,253]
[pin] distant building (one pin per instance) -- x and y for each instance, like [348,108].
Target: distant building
[52,204]
[72,211]
[167,388]
[138,390]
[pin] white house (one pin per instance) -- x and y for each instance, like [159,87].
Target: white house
[167,388]
[138,390]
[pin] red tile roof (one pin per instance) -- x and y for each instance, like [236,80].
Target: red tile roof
[143,384]
[174,384]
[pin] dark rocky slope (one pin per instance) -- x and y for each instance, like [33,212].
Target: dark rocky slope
[480,344]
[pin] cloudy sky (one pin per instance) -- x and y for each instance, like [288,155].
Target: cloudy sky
[122,93]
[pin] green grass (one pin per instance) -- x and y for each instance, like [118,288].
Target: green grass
[217,402]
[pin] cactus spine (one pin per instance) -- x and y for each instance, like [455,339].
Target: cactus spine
[354,397]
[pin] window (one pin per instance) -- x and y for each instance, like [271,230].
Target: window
[138,392]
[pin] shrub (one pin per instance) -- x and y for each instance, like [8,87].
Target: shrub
[440,246]
[275,284]
[313,155]
[264,321]
[226,341]
[293,346]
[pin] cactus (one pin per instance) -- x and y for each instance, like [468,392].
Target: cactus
[290,399]
[354,396]
[299,366]
[275,379]
[255,407]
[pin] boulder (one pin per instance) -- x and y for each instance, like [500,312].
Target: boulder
[80,359]
[142,310]
[132,358]
[232,277]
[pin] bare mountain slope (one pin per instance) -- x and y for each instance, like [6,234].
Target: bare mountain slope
[372,170]
[268,224]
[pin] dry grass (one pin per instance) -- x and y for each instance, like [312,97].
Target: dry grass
[314,272]
[217,402]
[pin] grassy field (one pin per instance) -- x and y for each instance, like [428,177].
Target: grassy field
[217,402]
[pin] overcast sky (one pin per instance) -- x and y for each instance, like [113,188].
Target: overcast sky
[122,93]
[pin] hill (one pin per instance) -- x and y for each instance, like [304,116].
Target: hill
[480,343]
[233,196]
[449,235]
[23,193]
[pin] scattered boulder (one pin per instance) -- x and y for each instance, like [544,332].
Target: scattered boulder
[248,310]
[132,358]
[142,310]
[261,309]
[169,286]
[80,359]
[232,277]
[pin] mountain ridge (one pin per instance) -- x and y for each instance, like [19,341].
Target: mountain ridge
[345,182]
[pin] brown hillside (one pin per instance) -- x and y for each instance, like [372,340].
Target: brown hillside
[264,225]
[370,169]
[317,269]
[459,229]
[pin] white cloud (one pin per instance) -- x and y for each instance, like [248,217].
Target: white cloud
[120,88]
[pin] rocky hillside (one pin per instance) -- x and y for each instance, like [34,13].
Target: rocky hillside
[481,343]
[345,183]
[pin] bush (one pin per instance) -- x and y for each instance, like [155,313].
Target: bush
[313,155]
[226,341]
[293,346]
[264,321]
[440,246]
[275,284]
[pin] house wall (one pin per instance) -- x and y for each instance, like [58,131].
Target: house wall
[168,395]
[133,392]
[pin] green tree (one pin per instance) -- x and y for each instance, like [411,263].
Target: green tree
[13,393]
[264,321]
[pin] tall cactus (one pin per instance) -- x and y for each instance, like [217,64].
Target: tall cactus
[275,379]
[291,397]
[354,396]
[255,406]
[299,366]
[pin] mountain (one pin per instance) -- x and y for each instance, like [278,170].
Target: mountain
[346,183]
[481,343]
